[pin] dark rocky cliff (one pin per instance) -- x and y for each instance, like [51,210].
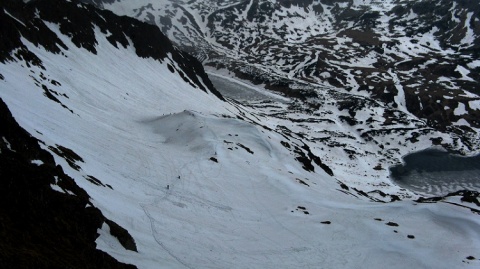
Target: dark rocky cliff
[41,227]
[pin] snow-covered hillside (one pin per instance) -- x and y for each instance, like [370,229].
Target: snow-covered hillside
[415,56]
[200,181]
[371,94]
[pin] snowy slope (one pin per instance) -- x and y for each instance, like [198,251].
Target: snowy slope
[203,183]
[370,81]
[415,56]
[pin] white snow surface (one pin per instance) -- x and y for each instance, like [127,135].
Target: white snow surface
[140,128]
[37,162]
[470,35]
[460,110]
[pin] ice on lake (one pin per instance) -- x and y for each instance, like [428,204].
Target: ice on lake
[437,173]
[240,91]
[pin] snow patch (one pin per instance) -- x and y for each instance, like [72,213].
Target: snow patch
[9,146]
[464,72]
[37,162]
[474,105]
[460,110]
[461,122]
[13,17]
[469,38]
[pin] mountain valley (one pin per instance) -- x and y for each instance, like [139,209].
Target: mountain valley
[261,136]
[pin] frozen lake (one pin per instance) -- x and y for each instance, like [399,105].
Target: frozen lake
[437,173]
[241,91]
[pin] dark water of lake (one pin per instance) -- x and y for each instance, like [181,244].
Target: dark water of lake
[437,173]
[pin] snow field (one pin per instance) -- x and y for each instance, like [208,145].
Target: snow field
[139,128]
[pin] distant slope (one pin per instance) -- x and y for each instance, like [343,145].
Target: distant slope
[415,56]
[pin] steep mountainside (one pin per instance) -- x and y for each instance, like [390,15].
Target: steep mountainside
[117,152]
[47,220]
[81,25]
[415,56]
[368,83]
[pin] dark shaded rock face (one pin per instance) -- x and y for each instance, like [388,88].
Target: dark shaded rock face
[41,227]
[78,21]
